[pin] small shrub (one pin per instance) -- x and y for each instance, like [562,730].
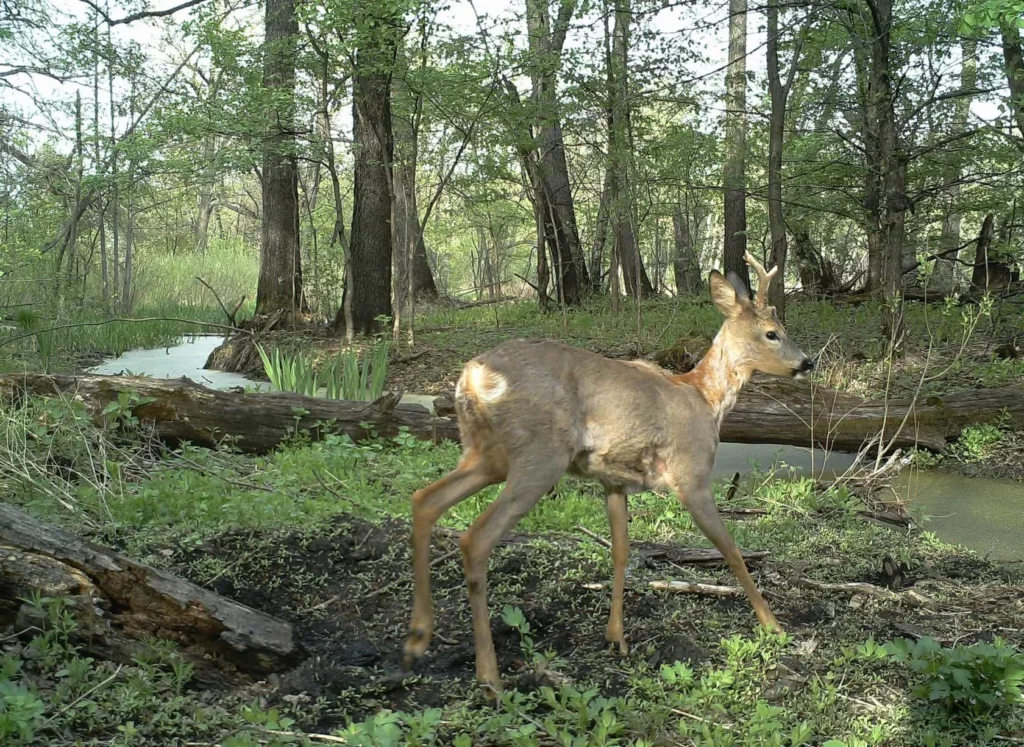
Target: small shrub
[972,680]
[976,442]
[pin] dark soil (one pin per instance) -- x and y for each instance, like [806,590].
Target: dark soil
[347,590]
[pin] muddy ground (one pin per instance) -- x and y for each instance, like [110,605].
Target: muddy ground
[347,591]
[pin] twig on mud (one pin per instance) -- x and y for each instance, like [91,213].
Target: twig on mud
[385,587]
[695,587]
[914,598]
[683,587]
[596,537]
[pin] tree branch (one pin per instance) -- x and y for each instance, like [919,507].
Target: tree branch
[142,13]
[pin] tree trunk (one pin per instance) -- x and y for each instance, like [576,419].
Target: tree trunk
[686,268]
[893,171]
[370,267]
[779,93]
[205,210]
[280,282]
[872,199]
[600,237]
[816,272]
[1013,59]
[638,284]
[944,275]
[119,602]
[991,272]
[777,412]
[734,171]
[570,271]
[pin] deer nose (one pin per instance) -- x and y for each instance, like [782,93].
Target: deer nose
[808,365]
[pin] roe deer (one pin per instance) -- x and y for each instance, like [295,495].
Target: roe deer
[531,410]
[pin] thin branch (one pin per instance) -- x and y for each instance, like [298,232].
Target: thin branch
[142,13]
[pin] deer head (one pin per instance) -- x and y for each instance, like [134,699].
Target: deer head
[752,333]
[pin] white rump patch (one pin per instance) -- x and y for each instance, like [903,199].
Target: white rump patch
[484,383]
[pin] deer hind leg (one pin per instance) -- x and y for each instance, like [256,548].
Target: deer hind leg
[700,502]
[618,519]
[528,481]
[428,505]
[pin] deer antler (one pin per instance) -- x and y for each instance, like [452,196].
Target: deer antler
[764,279]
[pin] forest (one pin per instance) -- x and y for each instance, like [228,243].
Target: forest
[247,248]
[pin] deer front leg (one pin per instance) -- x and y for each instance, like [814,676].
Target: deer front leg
[618,519]
[699,500]
[428,505]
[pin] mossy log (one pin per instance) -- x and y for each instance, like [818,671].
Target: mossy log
[117,602]
[768,412]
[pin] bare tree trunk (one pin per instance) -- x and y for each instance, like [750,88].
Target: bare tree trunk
[779,93]
[205,195]
[685,266]
[370,266]
[893,171]
[571,281]
[600,236]
[872,199]
[1013,59]
[97,157]
[114,203]
[280,282]
[637,282]
[734,172]
[991,271]
[943,277]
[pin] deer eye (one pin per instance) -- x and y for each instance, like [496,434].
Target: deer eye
[773,336]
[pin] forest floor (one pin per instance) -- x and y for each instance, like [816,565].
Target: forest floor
[335,563]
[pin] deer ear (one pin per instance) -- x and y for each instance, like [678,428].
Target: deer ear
[723,294]
[742,294]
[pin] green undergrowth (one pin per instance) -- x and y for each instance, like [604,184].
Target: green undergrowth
[699,673]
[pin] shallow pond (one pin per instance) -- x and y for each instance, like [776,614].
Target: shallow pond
[983,514]
[187,358]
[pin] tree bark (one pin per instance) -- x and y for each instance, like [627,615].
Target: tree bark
[776,412]
[570,271]
[600,237]
[280,282]
[893,172]
[944,276]
[1013,60]
[685,267]
[627,250]
[370,267]
[779,93]
[119,602]
[734,172]
[991,272]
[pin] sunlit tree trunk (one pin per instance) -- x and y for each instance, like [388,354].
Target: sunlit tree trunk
[734,172]
[280,281]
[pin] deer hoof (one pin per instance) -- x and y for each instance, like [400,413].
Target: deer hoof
[415,646]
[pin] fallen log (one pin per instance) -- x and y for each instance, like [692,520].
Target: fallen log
[767,412]
[118,601]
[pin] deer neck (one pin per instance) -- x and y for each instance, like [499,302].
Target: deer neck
[719,377]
